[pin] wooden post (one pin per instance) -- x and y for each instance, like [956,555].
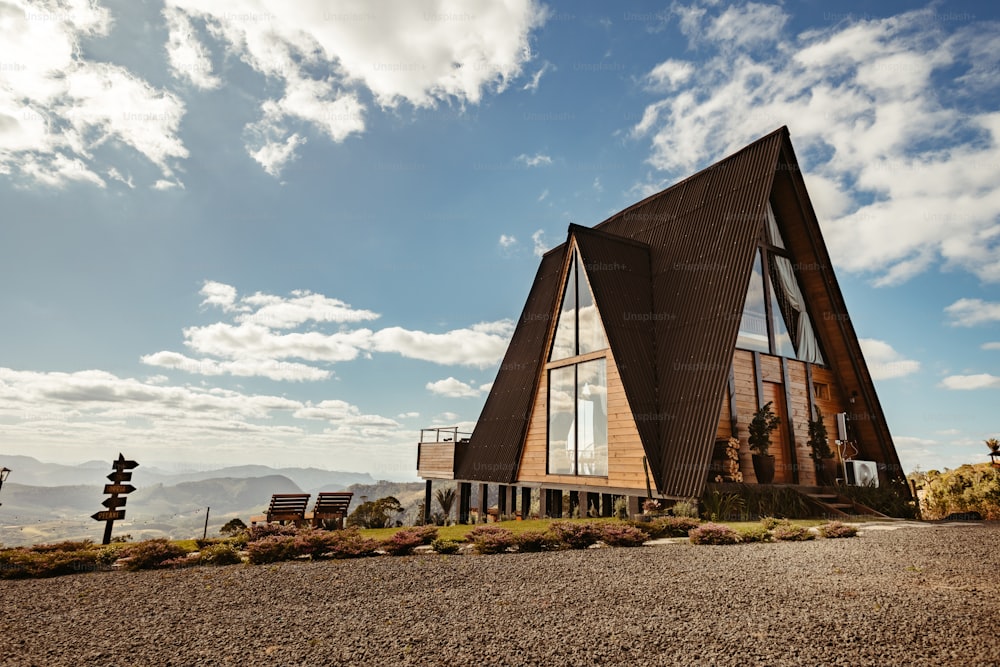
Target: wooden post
[501,500]
[525,502]
[204,533]
[556,503]
[543,503]
[633,506]
[513,500]
[427,503]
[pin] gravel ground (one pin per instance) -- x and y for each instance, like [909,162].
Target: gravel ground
[915,595]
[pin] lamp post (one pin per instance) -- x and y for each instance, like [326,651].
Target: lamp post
[4,472]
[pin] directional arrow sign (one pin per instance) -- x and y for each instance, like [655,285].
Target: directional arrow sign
[108,515]
[112,503]
[122,464]
[119,476]
[118,488]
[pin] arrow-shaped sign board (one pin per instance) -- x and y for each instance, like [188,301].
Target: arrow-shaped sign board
[121,489]
[119,476]
[112,503]
[108,515]
[122,464]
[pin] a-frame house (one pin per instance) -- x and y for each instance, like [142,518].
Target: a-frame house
[651,338]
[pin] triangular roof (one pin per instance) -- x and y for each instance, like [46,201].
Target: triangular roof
[669,277]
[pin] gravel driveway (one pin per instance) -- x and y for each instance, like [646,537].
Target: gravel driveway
[914,595]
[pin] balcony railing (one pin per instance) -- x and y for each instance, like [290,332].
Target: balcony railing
[438,451]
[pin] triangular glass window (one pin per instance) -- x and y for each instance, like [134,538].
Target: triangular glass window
[578,329]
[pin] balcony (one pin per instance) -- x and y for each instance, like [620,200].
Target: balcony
[438,451]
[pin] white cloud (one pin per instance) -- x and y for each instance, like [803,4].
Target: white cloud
[408,415]
[991,346]
[884,362]
[536,78]
[970,312]
[419,53]
[545,195]
[57,109]
[969,382]
[904,154]
[188,57]
[261,339]
[536,160]
[248,367]
[507,242]
[453,388]
[541,246]
[481,345]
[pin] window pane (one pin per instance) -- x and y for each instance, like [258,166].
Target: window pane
[783,346]
[564,343]
[591,334]
[773,233]
[562,426]
[592,418]
[753,324]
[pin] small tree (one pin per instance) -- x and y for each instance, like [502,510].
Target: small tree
[445,498]
[763,423]
[818,439]
[232,527]
[375,514]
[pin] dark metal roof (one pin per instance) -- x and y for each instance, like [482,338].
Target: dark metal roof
[493,453]
[677,265]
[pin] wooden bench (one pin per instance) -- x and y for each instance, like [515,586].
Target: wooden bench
[331,506]
[285,507]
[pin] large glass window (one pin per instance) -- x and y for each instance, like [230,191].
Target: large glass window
[775,319]
[578,392]
[579,329]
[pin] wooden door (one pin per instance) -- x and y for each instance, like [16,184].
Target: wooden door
[774,392]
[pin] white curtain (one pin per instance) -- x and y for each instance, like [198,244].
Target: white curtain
[807,348]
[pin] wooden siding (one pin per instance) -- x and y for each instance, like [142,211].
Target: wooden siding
[788,457]
[625,450]
[436,460]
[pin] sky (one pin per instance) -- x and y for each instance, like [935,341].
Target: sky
[245,231]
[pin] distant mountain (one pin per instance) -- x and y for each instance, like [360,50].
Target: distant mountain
[32,472]
[165,504]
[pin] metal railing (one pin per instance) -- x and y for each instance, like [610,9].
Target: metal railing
[443,434]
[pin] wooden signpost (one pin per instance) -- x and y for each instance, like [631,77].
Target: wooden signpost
[116,488]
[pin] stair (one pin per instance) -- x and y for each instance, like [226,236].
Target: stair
[836,505]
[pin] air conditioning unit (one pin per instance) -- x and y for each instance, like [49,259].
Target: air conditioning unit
[862,473]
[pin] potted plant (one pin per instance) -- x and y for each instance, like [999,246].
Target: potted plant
[763,423]
[822,455]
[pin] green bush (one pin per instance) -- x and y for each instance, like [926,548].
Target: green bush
[787,532]
[622,535]
[22,563]
[490,539]
[575,535]
[969,488]
[151,554]
[713,533]
[836,529]
[271,549]
[443,546]
[892,499]
[220,554]
[685,508]
[668,526]
[758,533]
[533,541]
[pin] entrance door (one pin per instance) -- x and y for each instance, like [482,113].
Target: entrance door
[783,462]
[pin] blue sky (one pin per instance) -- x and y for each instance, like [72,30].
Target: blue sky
[248,232]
